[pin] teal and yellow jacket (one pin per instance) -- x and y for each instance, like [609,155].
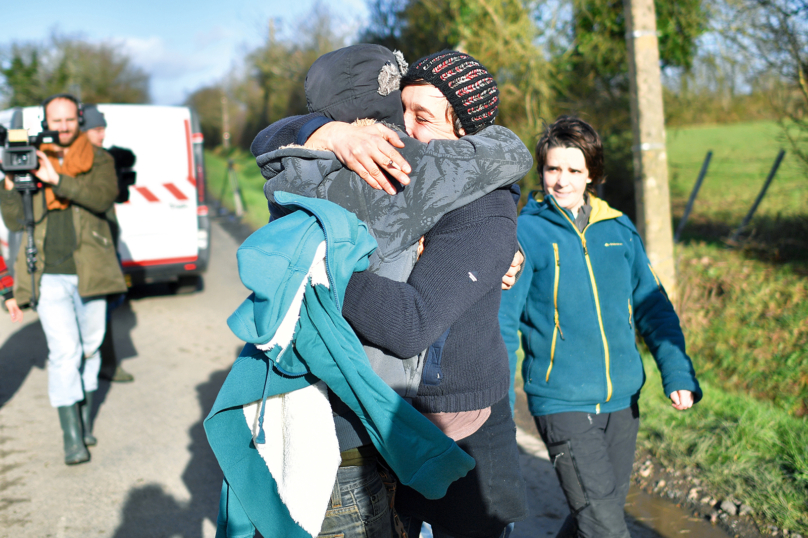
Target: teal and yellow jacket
[578,302]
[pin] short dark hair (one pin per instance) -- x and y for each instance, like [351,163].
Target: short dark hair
[572,132]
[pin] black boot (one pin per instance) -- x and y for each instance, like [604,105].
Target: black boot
[75,451]
[86,408]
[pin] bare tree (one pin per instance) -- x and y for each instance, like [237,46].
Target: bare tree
[772,36]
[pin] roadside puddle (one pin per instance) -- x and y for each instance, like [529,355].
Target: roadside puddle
[667,519]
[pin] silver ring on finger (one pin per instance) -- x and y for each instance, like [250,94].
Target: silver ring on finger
[390,164]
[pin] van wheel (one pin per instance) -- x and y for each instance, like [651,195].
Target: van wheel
[186,284]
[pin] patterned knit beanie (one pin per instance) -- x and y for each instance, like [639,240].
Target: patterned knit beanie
[465,82]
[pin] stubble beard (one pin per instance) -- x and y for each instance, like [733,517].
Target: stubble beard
[74,136]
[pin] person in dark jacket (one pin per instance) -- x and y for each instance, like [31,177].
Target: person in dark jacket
[585,288]
[95,127]
[450,302]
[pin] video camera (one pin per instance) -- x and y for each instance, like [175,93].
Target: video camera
[19,158]
[18,155]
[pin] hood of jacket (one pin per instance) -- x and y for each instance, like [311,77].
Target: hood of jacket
[360,81]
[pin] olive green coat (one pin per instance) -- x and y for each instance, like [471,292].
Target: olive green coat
[91,194]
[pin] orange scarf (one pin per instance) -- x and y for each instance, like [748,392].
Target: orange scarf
[78,160]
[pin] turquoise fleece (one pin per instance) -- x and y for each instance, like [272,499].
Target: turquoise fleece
[272,264]
[578,326]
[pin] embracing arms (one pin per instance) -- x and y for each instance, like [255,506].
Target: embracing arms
[463,261]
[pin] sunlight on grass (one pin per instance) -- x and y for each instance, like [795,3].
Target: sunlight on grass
[743,154]
[251,184]
[742,447]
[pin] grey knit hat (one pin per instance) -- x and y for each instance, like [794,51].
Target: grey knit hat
[465,82]
[93,118]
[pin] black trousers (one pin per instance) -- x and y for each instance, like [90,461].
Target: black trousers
[489,497]
[593,456]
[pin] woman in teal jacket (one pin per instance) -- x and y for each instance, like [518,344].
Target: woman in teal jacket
[585,288]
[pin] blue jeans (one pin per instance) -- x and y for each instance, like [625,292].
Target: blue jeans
[74,329]
[358,506]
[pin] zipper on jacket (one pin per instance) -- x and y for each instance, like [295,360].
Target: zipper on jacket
[557,328]
[597,300]
[629,315]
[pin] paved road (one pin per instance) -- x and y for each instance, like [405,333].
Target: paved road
[152,473]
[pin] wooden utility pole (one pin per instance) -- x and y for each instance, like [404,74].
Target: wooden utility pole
[238,201]
[225,124]
[648,125]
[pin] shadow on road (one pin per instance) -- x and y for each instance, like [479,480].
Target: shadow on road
[150,511]
[122,323]
[28,348]
[25,349]
[124,320]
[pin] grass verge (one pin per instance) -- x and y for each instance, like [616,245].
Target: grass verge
[743,447]
[746,323]
[250,180]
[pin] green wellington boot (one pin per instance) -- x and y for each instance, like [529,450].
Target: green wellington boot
[86,408]
[75,451]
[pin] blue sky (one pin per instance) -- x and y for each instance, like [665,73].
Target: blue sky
[182,44]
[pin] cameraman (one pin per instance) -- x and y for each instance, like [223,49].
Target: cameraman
[76,266]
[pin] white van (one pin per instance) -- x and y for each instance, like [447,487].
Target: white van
[165,229]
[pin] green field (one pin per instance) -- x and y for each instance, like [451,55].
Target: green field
[743,308]
[743,154]
[744,311]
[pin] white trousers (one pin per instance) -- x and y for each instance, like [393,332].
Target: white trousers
[74,328]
